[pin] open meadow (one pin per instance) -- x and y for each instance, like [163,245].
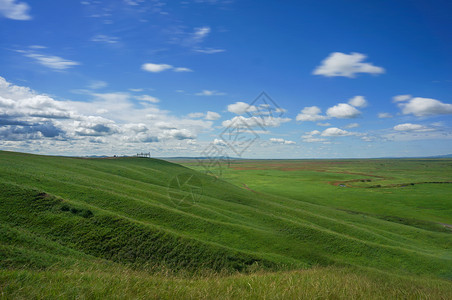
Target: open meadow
[275,229]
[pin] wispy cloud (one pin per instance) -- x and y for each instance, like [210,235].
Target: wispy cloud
[50,61]
[102,38]
[210,93]
[147,98]
[182,70]
[209,50]
[199,34]
[97,84]
[384,115]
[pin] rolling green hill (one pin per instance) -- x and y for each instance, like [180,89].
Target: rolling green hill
[66,218]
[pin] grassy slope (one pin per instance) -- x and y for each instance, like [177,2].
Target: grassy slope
[315,283]
[99,213]
[410,188]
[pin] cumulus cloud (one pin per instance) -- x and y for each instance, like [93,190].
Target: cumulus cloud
[95,126]
[15,10]
[343,111]
[240,108]
[334,131]
[157,68]
[310,137]
[311,113]
[422,107]
[219,142]
[178,134]
[346,65]
[281,141]
[385,115]
[412,127]
[109,120]
[212,116]
[358,101]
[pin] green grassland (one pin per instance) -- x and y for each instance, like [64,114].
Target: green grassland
[99,227]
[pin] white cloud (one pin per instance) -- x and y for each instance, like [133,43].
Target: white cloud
[147,98]
[155,68]
[412,127]
[102,38]
[212,116]
[200,33]
[196,115]
[219,142]
[343,111]
[309,137]
[385,115]
[109,120]
[240,122]
[15,10]
[281,141]
[352,125]
[421,107]
[50,61]
[334,131]
[346,65]
[324,124]
[239,108]
[177,134]
[277,140]
[313,140]
[210,93]
[358,101]
[311,113]
[97,84]
[179,69]
[401,98]
[209,50]
[133,2]
[37,47]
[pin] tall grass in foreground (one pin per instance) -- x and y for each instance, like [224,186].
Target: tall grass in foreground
[315,283]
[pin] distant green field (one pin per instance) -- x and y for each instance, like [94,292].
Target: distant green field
[403,190]
[265,230]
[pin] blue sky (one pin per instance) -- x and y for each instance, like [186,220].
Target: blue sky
[179,78]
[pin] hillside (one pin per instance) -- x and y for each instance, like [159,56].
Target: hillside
[120,215]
